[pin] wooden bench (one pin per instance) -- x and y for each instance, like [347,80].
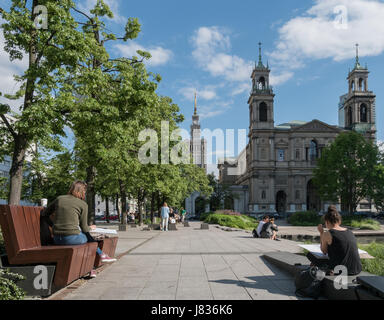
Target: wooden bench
[20,226]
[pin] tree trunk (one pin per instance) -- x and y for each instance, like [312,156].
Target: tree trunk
[90,198]
[152,208]
[20,141]
[117,207]
[107,209]
[124,207]
[16,171]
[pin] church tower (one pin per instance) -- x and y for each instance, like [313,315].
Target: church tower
[357,108]
[262,98]
[198,145]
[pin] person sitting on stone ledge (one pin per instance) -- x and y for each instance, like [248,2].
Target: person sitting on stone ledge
[339,243]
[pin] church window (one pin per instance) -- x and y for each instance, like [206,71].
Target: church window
[313,151]
[363,113]
[261,83]
[297,154]
[280,155]
[263,112]
[361,81]
[352,85]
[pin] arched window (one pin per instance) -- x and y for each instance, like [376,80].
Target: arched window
[363,113]
[352,85]
[313,151]
[361,81]
[261,83]
[263,112]
[263,195]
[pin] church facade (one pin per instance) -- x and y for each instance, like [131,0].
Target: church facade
[280,158]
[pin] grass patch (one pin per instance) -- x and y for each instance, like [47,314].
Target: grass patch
[376,265]
[361,223]
[304,219]
[232,221]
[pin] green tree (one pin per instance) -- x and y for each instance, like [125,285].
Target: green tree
[346,170]
[51,53]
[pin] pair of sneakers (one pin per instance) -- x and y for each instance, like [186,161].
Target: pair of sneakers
[104,259]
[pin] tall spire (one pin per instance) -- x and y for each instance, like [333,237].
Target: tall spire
[195,113]
[357,63]
[260,64]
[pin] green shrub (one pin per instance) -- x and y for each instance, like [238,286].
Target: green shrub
[232,221]
[304,219]
[361,223]
[8,287]
[147,221]
[376,265]
[205,215]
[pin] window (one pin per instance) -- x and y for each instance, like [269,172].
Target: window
[280,155]
[4,174]
[363,113]
[263,112]
[313,151]
[263,195]
[297,154]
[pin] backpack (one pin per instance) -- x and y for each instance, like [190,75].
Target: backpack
[307,284]
[254,233]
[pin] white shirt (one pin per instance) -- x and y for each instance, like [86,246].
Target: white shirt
[259,227]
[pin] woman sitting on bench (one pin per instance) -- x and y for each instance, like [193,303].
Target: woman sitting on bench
[70,225]
[339,243]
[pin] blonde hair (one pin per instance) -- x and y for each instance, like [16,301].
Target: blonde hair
[78,189]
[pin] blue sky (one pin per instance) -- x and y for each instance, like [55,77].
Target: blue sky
[210,46]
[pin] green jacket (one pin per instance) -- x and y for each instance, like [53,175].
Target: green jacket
[71,215]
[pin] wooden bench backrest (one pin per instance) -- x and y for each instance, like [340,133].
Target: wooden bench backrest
[20,226]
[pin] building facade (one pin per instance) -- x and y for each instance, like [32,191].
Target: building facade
[280,159]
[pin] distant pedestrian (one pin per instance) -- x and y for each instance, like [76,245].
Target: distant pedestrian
[183,213]
[164,217]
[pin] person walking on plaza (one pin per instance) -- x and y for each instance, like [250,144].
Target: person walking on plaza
[164,217]
[183,212]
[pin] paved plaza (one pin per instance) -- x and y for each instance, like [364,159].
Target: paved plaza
[190,264]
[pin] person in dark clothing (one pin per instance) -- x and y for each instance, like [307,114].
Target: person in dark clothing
[339,243]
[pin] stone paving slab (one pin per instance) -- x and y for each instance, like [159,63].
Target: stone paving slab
[191,264]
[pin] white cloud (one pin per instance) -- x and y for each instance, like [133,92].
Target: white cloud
[160,56]
[214,109]
[329,30]
[7,70]
[207,93]
[211,46]
[241,88]
[113,5]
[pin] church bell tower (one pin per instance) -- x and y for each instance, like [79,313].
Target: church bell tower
[262,97]
[358,105]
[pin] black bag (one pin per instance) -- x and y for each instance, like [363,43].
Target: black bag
[254,233]
[307,284]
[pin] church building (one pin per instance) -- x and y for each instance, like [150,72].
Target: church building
[280,158]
